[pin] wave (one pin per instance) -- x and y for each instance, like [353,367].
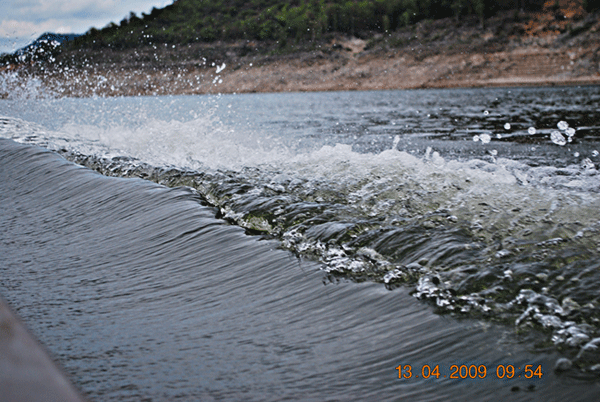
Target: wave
[140,292]
[507,231]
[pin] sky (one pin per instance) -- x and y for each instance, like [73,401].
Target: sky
[23,21]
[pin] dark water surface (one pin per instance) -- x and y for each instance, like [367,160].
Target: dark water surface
[287,264]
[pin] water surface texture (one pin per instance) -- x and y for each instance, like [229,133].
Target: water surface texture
[303,246]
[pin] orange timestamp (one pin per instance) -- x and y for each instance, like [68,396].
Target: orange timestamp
[472,371]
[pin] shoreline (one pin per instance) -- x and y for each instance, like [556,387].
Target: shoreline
[312,72]
[533,50]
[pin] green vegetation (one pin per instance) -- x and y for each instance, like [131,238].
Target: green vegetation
[188,21]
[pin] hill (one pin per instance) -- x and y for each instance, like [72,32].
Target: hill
[39,49]
[193,21]
[266,45]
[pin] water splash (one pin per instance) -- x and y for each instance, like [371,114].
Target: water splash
[484,138]
[557,138]
[220,68]
[470,234]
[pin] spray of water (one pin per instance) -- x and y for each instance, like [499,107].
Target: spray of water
[488,235]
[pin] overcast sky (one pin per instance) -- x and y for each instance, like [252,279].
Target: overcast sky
[22,21]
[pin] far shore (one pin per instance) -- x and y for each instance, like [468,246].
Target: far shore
[312,72]
[432,54]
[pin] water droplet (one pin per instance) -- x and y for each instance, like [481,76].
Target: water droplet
[475,138]
[498,136]
[531,130]
[485,138]
[494,152]
[595,153]
[486,113]
[570,131]
[563,364]
[562,125]
[576,154]
[507,126]
[557,138]
[588,164]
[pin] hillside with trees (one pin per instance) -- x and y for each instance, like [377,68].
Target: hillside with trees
[318,45]
[188,21]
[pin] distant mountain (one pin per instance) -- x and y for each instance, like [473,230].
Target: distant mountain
[40,49]
[49,36]
[45,40]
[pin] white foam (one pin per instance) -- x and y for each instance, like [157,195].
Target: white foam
[557,138]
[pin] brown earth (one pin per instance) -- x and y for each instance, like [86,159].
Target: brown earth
[554,47]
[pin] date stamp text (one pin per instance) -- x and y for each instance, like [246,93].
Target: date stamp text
[471,371]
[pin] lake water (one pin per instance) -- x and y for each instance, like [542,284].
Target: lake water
[304,246]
